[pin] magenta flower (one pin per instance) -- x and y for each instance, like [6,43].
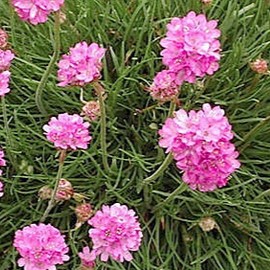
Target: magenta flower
[36,11]
[200,144]
[116,232]
[82,65]
[2,161]
[87,262]
[191,47]
[164,87]
[68,132]
[4,82]
[1,189]
[41,247]
[5,59]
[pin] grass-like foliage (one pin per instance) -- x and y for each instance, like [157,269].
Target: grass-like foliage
[168,210]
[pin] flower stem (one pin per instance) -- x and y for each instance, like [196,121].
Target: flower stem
[45,76]
[52,202]
[100,93]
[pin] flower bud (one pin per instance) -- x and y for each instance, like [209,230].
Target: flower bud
[207,224]
[64,191]
[259,66]
[83,212]
[3,39]
[45,193]
[91,110]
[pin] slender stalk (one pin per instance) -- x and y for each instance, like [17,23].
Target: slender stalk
[52,201]
[45,76]
[100,93]
[166,161]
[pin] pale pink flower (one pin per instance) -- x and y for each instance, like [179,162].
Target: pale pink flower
[115,233]
[191,47]
[87,260]
[2,161]
[36,11]
[41,247]
[68,132]
[4,82]
[164,87]
[1,189]
[5,59]
[82,65]
[260,66]
[64,191]
[91,110]
[200,144]
[3,39]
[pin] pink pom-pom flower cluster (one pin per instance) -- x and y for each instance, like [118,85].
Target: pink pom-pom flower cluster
[200,144]
[68,132]
[191,47]
[5,59]
[86,262]
[164,87]
[41,247]
[115,233]
[82,65]
[36,11]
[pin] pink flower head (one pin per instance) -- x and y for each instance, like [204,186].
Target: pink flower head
[87,262]
[5,59]
[3,39]
[41,247]
[2,162]
[200,144]
[4,82]
[259,66]
[191,47]
[36,11]
[68,132]
[64,191]
[82,65]
[115,233]
[1,189]
[164,87]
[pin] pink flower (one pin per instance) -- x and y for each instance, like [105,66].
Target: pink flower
[68,132]
[41,247]
[87,262]
[116,232]
[82,65]
[4,82]
[5,59]
[36,11]
[191,47]
[200,144]
[164,87]
[3,39]
[2,162]
[1,189]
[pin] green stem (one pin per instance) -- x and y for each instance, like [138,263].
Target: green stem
[100,93]
[167,161]
[252,132]
[44,79]
[52,201]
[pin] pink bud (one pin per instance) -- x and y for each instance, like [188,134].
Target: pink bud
[91,110]
[259,66]
[64,191]
[83,212]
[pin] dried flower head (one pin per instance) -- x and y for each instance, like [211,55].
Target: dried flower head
[3,39]
[191,47]
[164,87]
[207,224]
[4,82]
[200,144]
[41,247]
[115,233]
[45,193]
[259,66]
[91,110]
[36,11]
[87,262]
[64,191]
[68,132]
[83,212]
[82,65]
